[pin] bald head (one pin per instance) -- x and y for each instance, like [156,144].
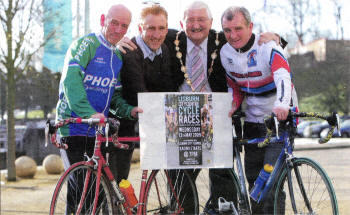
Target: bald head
[119,9]
[115,24]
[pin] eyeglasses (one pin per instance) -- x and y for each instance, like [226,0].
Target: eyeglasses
[199,20]
[115,23]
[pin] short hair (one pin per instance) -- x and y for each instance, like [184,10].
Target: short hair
[197,5]
[154,9]
[230,12]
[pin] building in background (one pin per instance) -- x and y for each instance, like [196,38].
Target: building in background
[61,24]
[323,49]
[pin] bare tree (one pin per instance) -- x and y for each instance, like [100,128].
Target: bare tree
[302,15]
[338,6]
[2,97]
[21,21]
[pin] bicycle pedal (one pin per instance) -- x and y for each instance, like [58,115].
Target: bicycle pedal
[224,205]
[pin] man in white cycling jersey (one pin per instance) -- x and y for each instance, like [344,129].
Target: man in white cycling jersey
[260,75]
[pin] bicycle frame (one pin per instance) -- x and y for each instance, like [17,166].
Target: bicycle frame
[284,157]
[284,160]
[100,164]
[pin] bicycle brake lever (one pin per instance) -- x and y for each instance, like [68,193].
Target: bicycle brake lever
[106,133]
[276,126]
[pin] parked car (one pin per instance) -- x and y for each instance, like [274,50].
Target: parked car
[315,129]
[302,125]
[344,130]
[29,139]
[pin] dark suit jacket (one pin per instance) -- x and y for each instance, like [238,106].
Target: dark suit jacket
[142,75]
[217,79]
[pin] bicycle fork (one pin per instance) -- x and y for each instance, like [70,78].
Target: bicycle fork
[290,167]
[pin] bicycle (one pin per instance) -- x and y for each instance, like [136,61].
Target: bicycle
[88,187]
[300,185]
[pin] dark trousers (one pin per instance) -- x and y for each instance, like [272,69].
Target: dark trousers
[220,184]
[120,162]
[77,147]
[120,159]
[254,161]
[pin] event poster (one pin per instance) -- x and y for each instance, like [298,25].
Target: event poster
[185,130]
[189,129]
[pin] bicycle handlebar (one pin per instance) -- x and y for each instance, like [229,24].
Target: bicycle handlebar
[109,124]
[272,123]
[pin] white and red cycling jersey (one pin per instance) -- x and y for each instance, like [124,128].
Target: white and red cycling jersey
[261,75]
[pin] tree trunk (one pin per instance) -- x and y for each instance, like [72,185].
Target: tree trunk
[11,144]
[26,112]
[347,89]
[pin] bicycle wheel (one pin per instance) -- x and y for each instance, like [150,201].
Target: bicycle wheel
[306,175]
[75,191]
[226,186]
[170,192]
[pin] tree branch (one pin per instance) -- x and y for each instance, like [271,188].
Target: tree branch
[2,4]
[2,75]
[19,43]
[2,19]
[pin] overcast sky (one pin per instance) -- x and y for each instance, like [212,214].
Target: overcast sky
[175,11]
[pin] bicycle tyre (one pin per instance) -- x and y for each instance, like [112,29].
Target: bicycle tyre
[232,188]
[318,188]
[179,197]
[67,194]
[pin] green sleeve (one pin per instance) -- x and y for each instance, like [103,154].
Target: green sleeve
[119,107]
[79,55]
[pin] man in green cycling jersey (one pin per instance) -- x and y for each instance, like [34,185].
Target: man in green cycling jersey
[90,83]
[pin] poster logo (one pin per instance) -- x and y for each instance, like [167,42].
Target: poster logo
[252,58]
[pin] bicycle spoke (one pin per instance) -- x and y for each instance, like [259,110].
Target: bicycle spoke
[76,191]
[311,188]
[168,191]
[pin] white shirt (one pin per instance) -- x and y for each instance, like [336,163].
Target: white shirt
[147,52]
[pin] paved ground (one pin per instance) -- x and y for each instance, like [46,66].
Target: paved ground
[32,196]
[335,159]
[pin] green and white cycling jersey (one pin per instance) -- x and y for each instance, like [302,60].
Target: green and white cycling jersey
[90,83]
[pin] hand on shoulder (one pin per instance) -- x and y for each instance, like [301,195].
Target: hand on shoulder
[126,44]
[267,37]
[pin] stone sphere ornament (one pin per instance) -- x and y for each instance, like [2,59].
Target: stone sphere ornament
[25,167]
[53,164]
